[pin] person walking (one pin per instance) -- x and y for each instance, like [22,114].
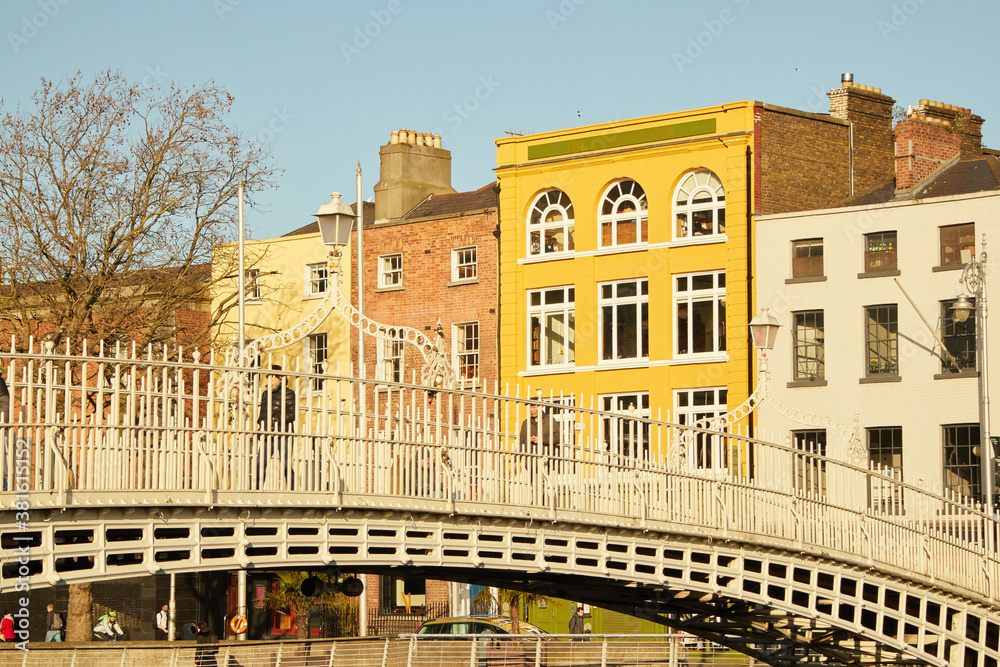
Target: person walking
[576,623]
[208,646]
[275,417]
[7,627]
[53,624]
[162,619]
[107,628]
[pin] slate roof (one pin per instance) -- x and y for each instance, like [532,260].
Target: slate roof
[440,206]
[974,174]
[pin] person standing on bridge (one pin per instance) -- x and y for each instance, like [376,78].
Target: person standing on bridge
[275,417]
[539,432]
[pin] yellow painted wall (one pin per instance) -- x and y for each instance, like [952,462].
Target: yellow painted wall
[658,166]
[282,263]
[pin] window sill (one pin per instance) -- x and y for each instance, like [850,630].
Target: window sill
[615,364]
[879,274]
[548,370]
[950,376]
[699,240]
[456,283]
[398,288]
[313,297]
[549,256]
[818,382]
[805,279]
[884,377]
[948,267]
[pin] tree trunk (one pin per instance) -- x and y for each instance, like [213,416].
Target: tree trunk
[80,617]
[302,623]
[515,616]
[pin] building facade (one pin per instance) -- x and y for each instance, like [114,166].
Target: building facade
[864,295]
[627,251]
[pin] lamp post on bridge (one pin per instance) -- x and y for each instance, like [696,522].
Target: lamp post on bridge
[973,281]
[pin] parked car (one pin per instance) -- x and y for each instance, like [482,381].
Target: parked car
[476,625]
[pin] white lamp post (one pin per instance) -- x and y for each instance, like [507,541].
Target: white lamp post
[973,280]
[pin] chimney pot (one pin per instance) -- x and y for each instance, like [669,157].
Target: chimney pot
[847,77]
[437,141]
[395,137]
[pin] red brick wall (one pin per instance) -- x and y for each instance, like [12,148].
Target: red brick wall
[922,146]
[425,246]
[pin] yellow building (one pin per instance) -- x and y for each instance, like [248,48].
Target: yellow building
[287,277]
[626,248]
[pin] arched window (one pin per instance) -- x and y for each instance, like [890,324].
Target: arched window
[550,224]
[623,215]
[699,206]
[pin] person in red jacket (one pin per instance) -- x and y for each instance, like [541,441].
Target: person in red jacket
[7,627]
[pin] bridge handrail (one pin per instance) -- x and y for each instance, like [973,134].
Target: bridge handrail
[161,427]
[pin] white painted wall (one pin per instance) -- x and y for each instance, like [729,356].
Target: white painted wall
[918,403]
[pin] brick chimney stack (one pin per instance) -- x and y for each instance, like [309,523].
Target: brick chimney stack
[411,166]
[931,137]
[870,114]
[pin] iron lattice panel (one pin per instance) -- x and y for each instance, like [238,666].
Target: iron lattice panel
[782,599]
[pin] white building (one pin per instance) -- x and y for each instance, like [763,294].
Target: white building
[852,345]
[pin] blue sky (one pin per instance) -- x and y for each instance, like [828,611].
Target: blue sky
[326,82]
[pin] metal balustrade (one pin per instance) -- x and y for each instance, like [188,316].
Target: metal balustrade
[409,651]
[117,439]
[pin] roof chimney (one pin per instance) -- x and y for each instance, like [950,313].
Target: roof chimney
[870,115]
[412,166]
[931,137]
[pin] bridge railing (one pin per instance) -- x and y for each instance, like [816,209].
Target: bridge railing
[119,427]
[414,651]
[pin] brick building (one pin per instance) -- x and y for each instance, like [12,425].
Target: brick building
[430,257]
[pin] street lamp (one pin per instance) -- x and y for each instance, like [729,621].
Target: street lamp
[335,221]
[973,282]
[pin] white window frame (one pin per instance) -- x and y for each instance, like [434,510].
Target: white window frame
[318,352]
[686,295]
[715,454]
[550,217]
[390,271]
[618,194]
[464,258]
[390,356]
[639,301]
[462,354]
[317,279]
[617,434]
[252,285]
[696,185]
[544,309]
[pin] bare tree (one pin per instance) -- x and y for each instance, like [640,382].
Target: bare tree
[111,198]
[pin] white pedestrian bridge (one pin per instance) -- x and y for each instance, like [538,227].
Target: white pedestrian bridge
[118,465]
